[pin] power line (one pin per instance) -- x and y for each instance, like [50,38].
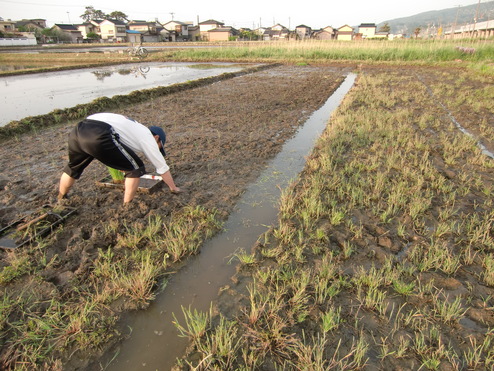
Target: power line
[44,4]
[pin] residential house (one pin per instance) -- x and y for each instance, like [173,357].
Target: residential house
[222,33]
[134,37]
[208,25]
[367,30]
[177,31]
[69,32]
[112,30]
[195,33]
[277,32]
[345,33]
[326,33]
[148,30]
[86,28]
[31,24]
[303,32]
[7,26]
[260,31]
[31,28]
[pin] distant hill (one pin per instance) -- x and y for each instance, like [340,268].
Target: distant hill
[447,17]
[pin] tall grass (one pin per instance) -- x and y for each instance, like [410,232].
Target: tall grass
[363,51]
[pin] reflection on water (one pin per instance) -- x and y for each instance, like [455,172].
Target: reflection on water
[36,94]
[137,71]
[11,67]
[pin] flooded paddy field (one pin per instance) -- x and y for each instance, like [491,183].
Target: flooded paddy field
[37,94]
[337,283]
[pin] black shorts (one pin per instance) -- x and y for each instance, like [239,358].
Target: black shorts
[92,139]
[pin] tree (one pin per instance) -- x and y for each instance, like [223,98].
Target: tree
[92,13]
[248,35]
[118,15]
[54,36]
[384,28]
[92,35]
[417,32]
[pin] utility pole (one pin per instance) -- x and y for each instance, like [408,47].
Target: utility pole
[453,31]
[476,17]
[68,16]
[172,14]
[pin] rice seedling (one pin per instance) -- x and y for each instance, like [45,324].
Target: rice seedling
[373,299]
[480,354]
[245,258]
[488,273]
[331,319]
[131,237]
[403,288]
[445,310]
[403,347]
[221,344]
[271,252]
[311,353]
[20,264]
[104,264]
[196,324]
[263,275]
[116,175]
[436,255]
[324,289]
[299,297]
[269,338]
[137,284]
[347,249]
[256,309]
[337,217]
[384,349]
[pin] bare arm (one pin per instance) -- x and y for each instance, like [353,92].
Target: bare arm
[168,179]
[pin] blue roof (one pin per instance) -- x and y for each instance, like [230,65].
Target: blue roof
[132,31]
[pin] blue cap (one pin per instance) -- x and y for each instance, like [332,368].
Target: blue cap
[156,130]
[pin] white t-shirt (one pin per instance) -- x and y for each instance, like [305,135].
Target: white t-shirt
[136,136]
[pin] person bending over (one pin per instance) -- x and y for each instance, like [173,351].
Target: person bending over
[114,139]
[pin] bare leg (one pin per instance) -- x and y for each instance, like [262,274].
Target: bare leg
[131,185]
[66,183]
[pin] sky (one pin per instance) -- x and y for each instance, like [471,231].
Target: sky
[251,14]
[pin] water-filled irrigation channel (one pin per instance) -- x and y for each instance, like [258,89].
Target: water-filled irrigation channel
[484,150]
[153,343]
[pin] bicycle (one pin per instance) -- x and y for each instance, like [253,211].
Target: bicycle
[138,51]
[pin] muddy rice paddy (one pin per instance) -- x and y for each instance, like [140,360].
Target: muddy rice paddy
[220,138]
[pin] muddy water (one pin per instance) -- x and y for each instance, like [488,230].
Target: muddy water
[36,94]
[154,343]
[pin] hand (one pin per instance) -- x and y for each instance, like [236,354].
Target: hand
[176,191]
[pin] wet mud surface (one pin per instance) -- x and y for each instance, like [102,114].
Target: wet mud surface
[219,139]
